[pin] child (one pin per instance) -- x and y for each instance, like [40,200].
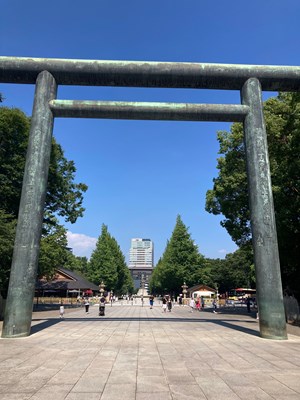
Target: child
[61,311]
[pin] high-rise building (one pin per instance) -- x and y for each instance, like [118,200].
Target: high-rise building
[141,258]
[141,253]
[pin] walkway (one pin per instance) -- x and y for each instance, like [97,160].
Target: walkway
[136,353]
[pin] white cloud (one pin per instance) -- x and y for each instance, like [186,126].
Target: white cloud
[81,245]
[222,251]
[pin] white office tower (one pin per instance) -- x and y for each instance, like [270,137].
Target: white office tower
[141,253]
[141,258]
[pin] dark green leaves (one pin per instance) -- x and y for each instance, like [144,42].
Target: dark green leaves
[180,262]
[107,264]
[229,194]
[64,196]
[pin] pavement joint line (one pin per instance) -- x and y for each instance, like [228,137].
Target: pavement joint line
[227,345]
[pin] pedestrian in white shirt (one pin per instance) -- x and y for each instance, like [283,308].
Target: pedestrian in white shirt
[61,311]
[192,304]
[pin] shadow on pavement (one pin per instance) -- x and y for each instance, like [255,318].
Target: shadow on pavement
[228,323]
[43,325]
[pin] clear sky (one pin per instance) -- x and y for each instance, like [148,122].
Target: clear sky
[141,174]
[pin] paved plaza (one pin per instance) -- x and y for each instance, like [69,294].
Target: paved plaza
[136,353]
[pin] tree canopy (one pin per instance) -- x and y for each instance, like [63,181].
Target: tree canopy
[7,234]
[181,261]
[107,264]
[229,195]
[64,196]
[54,251]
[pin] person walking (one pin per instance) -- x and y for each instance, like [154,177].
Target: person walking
[169,304]
[248,304]
[180,300]
[202,302]
[102,306]
[62,311]
[192,304]
[151,301]
[87,305]
[164,304]
[214,303]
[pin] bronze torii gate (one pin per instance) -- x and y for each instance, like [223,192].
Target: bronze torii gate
[48,73]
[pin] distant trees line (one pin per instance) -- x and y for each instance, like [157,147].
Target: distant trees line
[182,262]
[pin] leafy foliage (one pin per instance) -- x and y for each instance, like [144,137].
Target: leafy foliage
[64,196]
[14,128]
[7,234]
[180,262]
[236,270]
[53,251]
[229,194]
[78,264]
[107,264]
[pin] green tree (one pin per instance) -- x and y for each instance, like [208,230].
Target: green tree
[107,264]
[180,262]
[209,274]
[78,264]
[7,234]
[64,196]
[53,251]
[156,280]
[237,270]
[125,281]
[14,128]
[229,195]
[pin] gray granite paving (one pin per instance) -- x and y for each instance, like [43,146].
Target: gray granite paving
[136,353]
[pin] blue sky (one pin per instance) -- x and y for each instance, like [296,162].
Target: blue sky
[141,174]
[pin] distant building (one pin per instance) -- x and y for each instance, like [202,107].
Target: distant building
[141,257]
[65,283]
[201,290]
[207,293]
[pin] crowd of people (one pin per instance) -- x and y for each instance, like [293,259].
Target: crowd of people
[167,302]
[198,304]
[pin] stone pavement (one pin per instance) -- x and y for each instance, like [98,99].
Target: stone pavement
[136,353]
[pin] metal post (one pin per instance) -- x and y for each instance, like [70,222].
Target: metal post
[264,236]
[18,312]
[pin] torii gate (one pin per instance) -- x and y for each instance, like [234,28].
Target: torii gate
[48,73]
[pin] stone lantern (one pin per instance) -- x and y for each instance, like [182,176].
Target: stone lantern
[184,292]
[101,289]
